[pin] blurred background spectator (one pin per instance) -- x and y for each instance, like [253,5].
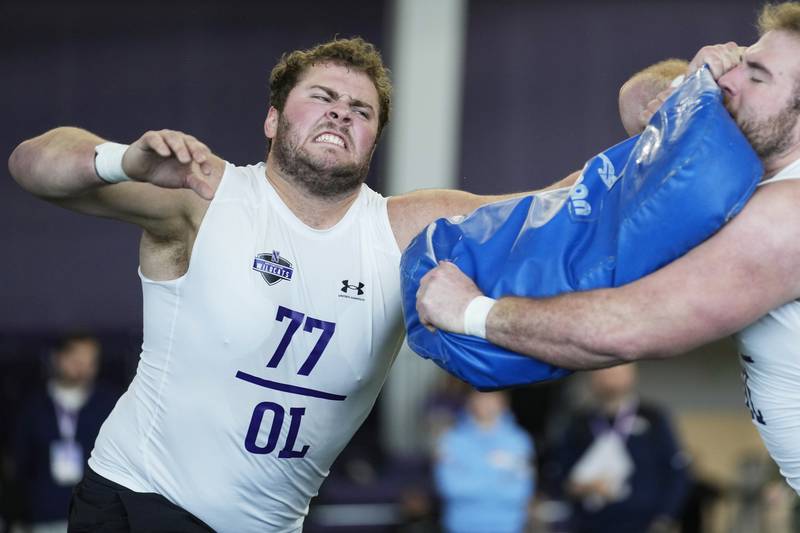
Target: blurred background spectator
[619,462]
[484,469]
[55,431]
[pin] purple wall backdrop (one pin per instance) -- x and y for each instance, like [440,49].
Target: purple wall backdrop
[540,97]
[120,70]
[542,78]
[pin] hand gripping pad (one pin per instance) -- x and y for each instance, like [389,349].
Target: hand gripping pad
[636,207]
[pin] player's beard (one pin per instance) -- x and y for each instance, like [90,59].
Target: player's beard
[315,174]
[772,136]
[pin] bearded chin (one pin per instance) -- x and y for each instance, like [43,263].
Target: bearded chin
[772,136]
[313,173]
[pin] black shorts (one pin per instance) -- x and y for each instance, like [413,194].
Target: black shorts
[102,506]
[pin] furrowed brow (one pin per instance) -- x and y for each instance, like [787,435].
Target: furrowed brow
[362,105]
[335,95]
[330,92]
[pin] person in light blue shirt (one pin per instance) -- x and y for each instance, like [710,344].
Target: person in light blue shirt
[483,469]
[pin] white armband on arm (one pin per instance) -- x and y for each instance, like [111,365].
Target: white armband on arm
[108,162]
[475,315]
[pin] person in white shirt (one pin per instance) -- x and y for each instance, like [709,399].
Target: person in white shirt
[271,299]
[744,280]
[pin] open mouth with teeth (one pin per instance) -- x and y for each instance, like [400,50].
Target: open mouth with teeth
[330,138]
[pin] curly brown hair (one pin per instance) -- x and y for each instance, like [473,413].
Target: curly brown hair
[355,53]
[785,16]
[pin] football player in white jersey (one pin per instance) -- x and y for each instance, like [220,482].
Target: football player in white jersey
[744,280]
[328,107]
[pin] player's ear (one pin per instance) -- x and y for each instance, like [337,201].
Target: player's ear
[271,122]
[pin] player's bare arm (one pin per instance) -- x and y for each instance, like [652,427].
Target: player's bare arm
[173,178]
[410,213]
[738,275]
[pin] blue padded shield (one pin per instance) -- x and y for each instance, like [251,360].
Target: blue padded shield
[636,207]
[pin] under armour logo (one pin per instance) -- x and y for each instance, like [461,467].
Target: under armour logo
[346,286]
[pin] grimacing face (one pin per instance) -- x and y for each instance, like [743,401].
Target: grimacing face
[326,134]
[761,94]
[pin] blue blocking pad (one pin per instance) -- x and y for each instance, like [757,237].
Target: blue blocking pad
[636,207]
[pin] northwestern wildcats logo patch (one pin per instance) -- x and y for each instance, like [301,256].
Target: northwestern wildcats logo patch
[273,267]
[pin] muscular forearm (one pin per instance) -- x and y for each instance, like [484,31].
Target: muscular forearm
[578,331]
[410,213]
[56,164]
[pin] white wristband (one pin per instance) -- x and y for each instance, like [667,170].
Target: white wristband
[108,162]
[475,315]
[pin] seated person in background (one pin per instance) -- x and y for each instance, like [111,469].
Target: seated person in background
[483,469]
[56,431]
[619,462]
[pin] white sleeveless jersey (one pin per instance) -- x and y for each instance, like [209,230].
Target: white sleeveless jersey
[770,356]
[259,363]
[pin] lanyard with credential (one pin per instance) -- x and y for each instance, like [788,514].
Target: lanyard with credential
[67,422]
[623,421]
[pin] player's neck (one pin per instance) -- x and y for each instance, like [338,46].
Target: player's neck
[775,164]
[313,210]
